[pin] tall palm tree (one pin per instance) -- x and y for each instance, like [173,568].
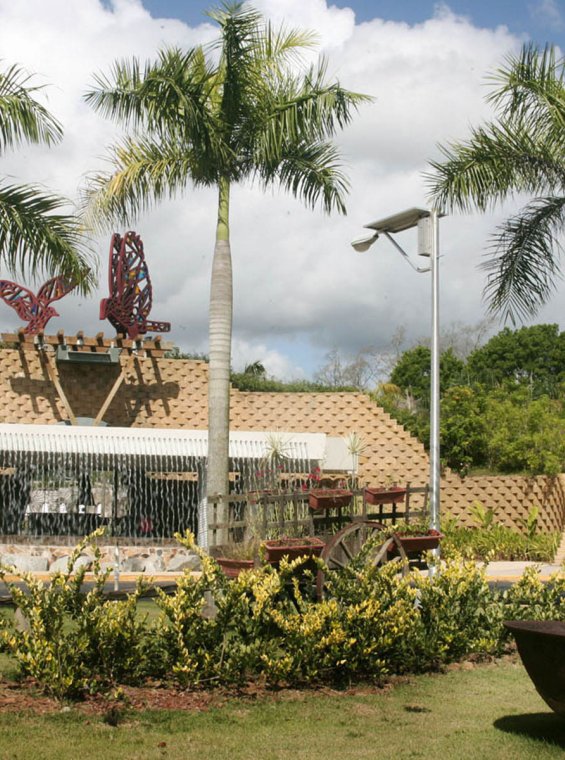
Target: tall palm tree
[34,235]
[523,151]
[241,113]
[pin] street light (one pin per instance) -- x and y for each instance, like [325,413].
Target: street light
[428,245]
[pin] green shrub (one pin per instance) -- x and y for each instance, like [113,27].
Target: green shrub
[74,642]
[532,599]
[268,625]
[459,613]
[490,541]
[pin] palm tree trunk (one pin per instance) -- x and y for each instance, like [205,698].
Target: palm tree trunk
[220,328]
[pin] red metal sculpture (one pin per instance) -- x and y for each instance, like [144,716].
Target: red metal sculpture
[35,309]
[130,299]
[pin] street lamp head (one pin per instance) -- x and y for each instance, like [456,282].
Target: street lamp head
[363,244]
[399,222]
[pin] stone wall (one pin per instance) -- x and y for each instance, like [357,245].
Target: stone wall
[50,557]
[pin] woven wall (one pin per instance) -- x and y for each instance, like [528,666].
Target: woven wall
[173,393]
[510,496]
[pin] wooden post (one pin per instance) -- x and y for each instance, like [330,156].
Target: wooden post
[55,380]
[110,397]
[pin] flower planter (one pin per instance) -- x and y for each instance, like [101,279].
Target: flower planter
[393,495]
[277,548]
[541,644]
[418,544]
[328,498]
[233,567]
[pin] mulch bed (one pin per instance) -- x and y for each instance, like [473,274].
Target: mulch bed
[24,696]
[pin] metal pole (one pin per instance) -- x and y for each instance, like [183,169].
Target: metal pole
[434,377]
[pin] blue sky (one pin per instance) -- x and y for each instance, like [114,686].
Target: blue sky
[299,288]
[543,21]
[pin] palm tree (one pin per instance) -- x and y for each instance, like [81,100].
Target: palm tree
[33,237]
[242,113]
[523,151]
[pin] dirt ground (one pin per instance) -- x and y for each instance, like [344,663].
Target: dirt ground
[25,696]
[21,696]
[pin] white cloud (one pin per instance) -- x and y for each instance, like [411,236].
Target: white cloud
[276,364]
[297,281]
[549,14]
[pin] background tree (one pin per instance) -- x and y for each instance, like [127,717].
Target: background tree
[34,235]
[241,113]
[412,372]
[533,355]
[503,409]
[463,429]
[523,151]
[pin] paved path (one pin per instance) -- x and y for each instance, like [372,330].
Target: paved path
[503,572]
[511,571]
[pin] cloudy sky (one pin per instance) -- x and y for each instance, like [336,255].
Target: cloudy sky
[300,289]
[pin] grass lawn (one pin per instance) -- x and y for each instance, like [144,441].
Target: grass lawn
[490,711]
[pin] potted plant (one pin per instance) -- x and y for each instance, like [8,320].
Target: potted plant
[276,548]
[326,498]
[235,557]
[415,537]
[389,495]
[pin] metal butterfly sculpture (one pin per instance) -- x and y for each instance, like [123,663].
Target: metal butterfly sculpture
[131,294]
[35,309]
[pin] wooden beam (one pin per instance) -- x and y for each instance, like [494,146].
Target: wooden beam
[110,397]
[55,380]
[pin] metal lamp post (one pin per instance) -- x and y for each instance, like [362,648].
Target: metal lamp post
[428,245]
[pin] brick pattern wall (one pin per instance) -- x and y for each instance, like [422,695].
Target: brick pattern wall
[172,393]
[510,496]
[389,453]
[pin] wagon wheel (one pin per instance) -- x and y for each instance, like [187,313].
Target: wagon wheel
[345,545]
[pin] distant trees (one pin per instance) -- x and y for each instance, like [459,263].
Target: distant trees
[412,372]
[503,408]
[534,356]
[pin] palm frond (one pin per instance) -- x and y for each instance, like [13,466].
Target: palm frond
[523,262]
[144,171]
[22,118]
[311,172]
[171,93]
[35,237]
[309,105]
[277,48]
[497,161]
[531,87]
[240,28]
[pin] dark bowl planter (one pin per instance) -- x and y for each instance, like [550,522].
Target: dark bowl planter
[541,644]
[329,497]
[418,544]
[233,567]
[393,495]
[277,548]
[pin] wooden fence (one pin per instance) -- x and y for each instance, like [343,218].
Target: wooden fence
[287,513]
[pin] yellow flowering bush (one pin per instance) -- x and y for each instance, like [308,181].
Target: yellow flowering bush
[71,641]
[267,624]
[459,613]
